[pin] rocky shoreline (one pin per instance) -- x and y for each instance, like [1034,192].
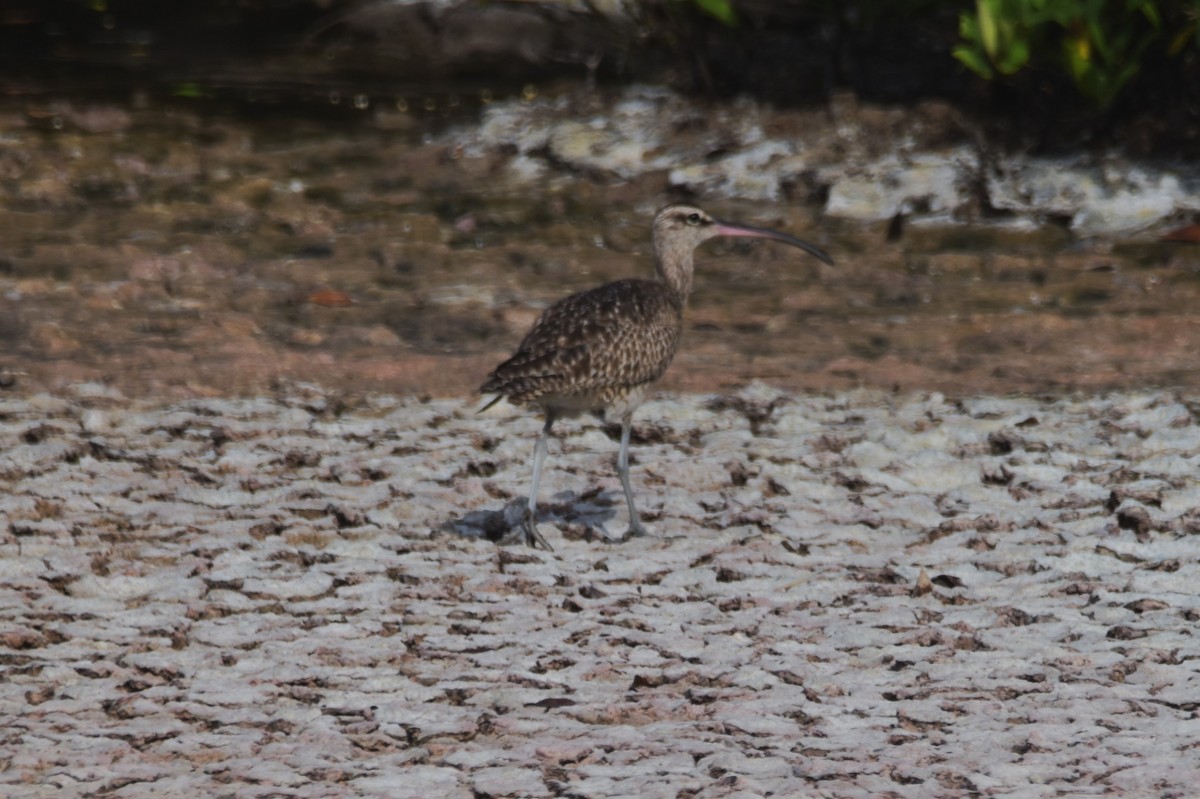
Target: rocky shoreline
[928,163]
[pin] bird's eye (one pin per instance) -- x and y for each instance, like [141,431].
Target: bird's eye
[693,219]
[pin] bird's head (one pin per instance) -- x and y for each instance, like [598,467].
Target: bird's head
[684,227]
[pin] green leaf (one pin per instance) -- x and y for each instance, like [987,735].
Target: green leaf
[974,61]
[1181,39]
[720,10]
[190,90]
[968,28]
[1077,51]
[1015,58]
[1150,11]
[988,26]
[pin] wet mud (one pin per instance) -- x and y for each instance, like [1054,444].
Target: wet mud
[856,596]
[169,251]
[244,552]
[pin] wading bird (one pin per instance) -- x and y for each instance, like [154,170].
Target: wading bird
[600,350]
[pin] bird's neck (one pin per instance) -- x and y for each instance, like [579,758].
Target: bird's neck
[674,268]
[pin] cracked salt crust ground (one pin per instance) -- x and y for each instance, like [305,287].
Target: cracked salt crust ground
[290,597]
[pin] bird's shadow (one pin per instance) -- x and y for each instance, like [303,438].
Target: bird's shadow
[576,517]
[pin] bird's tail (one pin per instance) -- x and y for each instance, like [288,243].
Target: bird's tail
[495,399]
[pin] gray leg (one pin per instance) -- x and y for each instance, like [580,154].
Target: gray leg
[635,522]
[532,537]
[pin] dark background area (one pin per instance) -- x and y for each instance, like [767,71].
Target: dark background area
[796,53]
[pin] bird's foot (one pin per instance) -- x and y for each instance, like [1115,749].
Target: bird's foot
[532,537]
[636,530]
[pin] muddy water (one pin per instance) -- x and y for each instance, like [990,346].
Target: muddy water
[175,251]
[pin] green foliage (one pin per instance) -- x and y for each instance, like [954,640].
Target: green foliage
[1101,43]
[720,10]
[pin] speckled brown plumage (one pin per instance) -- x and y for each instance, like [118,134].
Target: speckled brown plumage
[590,350]
[601,349]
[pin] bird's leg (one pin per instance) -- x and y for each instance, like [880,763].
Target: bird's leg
[532,537]
[635,522]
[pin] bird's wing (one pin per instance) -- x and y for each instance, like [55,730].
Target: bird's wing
[621,334]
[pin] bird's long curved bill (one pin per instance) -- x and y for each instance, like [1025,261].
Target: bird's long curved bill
[734,229]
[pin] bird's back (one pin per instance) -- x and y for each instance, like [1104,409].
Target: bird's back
[589,350]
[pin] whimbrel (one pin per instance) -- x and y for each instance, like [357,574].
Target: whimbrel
[600,350]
